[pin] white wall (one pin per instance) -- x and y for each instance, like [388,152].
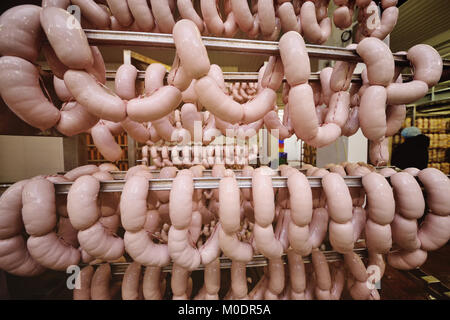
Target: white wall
[24,157]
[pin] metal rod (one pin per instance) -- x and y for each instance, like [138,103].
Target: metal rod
[110,37]
[251,76]
[119,268]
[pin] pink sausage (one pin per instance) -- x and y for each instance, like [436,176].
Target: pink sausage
[61,90]
[100,243]
[404,233]
[263,196]
[380,198]
[405,93]
[88,169]
[136,130]
[273,74]
[22,93]
[187,11]
[242,14]
[92,12]
[57,67]
[378,237]
[387,23]
[97,98]
[338,108]
[395,115]
[120,11]
[75,119]
[437,187]
[295,58]
[379,60]
[193,58]
[10,210]
[140,246]
[105,142]
[211,17]
[300,198]
[178,77]
[407,260]
[38,211]
[409,201]
[156,106]
[85,278]
[427,64]
[75,53]
[266,14]
[288,18]
[130,282]
[98,69]
[154,77]
[313,31]
[181,250]
[233,248]
[230,26]
[379,152]
[342,17]
[325,84]
[151,283]
[273,123]
[339,202]
[372,113]
[133,203]
[352,124]
[434,232]
[124,83]
[52,252]
[15,258]
[342,73]
[163,15]
[82,202]
[100,283]
[180,203]
[21,33]
[142,14]
[229,204]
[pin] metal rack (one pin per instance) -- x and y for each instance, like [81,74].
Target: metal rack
[109,37]
[119,268]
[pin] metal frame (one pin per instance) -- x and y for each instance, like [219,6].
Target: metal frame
[119,268]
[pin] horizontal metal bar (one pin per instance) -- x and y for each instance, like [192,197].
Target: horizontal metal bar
[110,37]
[251,76]
[119,268]
[199,183]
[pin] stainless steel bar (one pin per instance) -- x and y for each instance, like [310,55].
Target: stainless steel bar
[251,76]
[110,37]
[199,183]
[258,261]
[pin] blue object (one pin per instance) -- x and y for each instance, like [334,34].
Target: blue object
[410,132]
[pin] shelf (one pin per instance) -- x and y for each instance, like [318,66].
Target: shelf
[110,37]
[119,268]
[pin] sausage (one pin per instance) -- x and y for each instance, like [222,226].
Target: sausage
[229,204]
[100,243]
[22,93]
[372,113]
[136,130]
[263,196]
[93,13]
[75,53]
[21,32]
[210,250]
[434,232]
[82,204]
[10,210]
[409,201]
[52,252]
[149,108]
[15,258]
[163,15]
[295,58]
[133,203]
[85,278]
[266,242]
[313,31]
[130,282]
[395,115]
[97,98]
[338,109]
[404,233]
[180,203]
[124,83]
[195,58]
[289,20]
[142,249]
[105,142]
[238,279]
[379,60]
[407,260]
[151,283]
[142,14]
[74,174]
[100,283]
[427,64]
[121,12]
[379,152]
[242,14]
[233,248]
[38,211]
[75,119]
[154,77]
[405,93]
[61,89]
[212,280]
[300,198]
[437,187]
[380,198]
[266,14]
[387,23]
[378,237]
[181,250]
[230,26]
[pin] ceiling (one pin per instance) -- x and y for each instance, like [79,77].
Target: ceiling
[423,22]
